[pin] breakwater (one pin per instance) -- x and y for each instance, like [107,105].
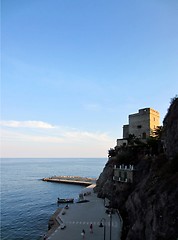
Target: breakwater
[71,180]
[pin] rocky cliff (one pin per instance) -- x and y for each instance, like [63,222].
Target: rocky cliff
[171,129]
[148,206]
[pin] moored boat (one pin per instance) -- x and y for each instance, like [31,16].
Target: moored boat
[65,200]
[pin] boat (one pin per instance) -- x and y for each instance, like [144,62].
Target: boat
[82,201]
[65,200]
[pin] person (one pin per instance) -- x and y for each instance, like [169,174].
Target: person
[91,228]
[44,237]
[83,234]
[67,206]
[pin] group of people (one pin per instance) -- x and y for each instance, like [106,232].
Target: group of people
[83,231]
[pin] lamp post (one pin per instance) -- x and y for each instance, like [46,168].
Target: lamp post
[101,225]
[110,215]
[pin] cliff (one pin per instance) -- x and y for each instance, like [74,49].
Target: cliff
[148,206]
[171,129]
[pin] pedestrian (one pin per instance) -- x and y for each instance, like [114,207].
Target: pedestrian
[83,234]
[91,228]
[44,237]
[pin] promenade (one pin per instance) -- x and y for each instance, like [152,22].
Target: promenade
[79,216]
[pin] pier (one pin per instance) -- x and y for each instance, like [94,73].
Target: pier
[71,180]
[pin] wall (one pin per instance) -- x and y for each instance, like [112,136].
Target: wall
[123,174]
[121,142]
[126,131]
[143,123]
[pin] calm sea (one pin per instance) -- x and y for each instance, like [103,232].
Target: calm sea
[27,202]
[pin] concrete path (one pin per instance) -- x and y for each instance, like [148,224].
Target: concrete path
[79,216]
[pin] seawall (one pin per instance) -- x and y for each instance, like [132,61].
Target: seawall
[71,180]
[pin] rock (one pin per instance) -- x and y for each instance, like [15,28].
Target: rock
[171,129]
[149,205]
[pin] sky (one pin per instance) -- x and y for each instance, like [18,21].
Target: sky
[73,70]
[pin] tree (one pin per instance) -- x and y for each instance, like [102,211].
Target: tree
[157,133]
[131,139]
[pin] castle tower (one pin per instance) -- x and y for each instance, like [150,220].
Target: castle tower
[142,124]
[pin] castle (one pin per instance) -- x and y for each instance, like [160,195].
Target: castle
[141,125]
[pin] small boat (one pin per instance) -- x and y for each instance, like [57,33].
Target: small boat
[82,201]
[65,200]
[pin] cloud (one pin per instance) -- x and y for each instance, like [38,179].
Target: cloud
[11,136]
[26,124]
[45,132]
[35,138]
[84,135]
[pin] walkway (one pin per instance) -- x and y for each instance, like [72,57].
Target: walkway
[79,216]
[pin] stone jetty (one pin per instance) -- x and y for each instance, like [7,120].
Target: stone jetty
[71,180]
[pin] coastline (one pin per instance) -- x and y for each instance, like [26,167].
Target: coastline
[80,215]
[53,223]
[25,187]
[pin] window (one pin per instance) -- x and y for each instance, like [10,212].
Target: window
[139,126]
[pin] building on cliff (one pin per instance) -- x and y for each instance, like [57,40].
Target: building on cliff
[124,173]
[141,125]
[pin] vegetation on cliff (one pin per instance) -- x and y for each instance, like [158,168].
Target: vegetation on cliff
[148,206]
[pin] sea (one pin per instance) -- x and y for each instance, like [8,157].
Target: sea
[27,202]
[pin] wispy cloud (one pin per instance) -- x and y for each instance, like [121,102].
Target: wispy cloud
[11,136]
[46,132]
[26,124]
[84,135]
[38,138]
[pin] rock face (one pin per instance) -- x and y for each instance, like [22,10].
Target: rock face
[149,205]
[171,129]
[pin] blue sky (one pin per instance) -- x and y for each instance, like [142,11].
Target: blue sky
[73,70]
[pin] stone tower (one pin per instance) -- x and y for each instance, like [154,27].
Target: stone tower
[142,124]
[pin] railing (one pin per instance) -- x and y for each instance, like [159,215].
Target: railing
[121,221]
[125,167]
